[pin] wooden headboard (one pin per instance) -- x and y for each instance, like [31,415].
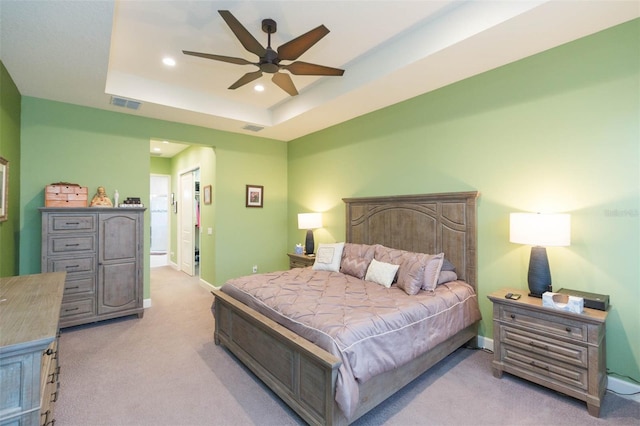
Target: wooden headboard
[431,223]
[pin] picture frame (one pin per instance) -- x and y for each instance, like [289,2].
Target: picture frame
[4,189]
[206,194]
[254,195]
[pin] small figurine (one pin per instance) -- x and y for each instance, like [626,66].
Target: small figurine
[101,199]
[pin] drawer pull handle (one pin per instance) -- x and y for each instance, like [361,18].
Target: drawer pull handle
[72,266]
[72,309]
[73,223]
[545,347]
[568,329]
[72,288]
[72,245]
[49,351]
[513,316]
[543,367]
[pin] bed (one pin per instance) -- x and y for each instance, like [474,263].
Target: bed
[334,381]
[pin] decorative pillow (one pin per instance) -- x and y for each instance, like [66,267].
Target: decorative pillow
[411,272]
[381,273]
[446,276]
[448,266]
[411,264]
[328,257]
[356,259]
[432,271]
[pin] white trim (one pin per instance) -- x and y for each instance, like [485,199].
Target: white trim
[146,303]
[618,386]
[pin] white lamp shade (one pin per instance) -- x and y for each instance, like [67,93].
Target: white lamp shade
[538,229]
[309,220]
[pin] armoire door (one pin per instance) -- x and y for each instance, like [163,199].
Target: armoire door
[118,273]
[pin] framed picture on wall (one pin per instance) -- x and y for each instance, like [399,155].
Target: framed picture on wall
[4,188]
[255,194]
[206,194]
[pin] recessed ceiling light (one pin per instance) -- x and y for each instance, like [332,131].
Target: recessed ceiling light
[169,61]
[258,88]
[156,149]
[165,141]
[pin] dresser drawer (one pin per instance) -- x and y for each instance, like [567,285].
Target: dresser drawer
[539,366]
[62,245]
[71,223]
[73,266]
[543,322]
[79,286]
[77,308]
[574,354]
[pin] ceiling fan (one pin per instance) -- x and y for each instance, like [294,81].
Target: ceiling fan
[269,59]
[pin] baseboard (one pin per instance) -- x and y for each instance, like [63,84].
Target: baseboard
[618,386]
[146,303]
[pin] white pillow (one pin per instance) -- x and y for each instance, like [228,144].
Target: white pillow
[328,257]
[381,273]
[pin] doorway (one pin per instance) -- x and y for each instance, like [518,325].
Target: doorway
[189,222]
[160,220]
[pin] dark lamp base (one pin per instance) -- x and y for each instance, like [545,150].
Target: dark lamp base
[308,244]
[539,276]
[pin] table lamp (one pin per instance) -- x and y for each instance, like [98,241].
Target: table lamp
[309,221]
[539,230]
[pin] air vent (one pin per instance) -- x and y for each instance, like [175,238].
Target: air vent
[125,103]
[253,127]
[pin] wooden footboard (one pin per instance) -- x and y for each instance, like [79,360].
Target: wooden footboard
[299,372]
[304,375]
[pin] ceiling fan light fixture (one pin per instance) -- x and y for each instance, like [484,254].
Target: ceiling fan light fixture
[170,62]
[258,88]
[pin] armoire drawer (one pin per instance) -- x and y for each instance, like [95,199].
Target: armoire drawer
[72,266]
[76,286]
[62,244]
[66,223]
[77,308]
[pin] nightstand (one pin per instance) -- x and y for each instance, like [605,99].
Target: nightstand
[560,350]
[300,260]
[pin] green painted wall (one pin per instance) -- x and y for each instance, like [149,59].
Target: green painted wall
[556,132]
[62,142]
[160,166]
[10,111]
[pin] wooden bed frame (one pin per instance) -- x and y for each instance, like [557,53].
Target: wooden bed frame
[304,375]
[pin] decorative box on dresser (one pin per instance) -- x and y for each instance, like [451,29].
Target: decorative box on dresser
[29,370]
[300,260]
[561,350]
[101,250]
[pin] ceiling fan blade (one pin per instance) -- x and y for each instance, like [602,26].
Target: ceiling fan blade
[248,41]
[292,50]
[305,68]
[285,83]
[247,78]
[232,60]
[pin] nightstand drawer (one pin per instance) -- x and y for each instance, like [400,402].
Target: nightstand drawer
[544,322]
[540,366]
[82,285]
[548,348]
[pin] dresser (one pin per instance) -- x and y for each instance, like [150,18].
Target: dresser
[561,350]
[101,251]
[29,370]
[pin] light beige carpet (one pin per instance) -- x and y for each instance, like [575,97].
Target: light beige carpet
[164,369]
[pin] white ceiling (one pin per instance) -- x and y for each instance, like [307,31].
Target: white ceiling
[82,52]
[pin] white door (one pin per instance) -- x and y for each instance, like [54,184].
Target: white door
[159,207]
[187,225]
